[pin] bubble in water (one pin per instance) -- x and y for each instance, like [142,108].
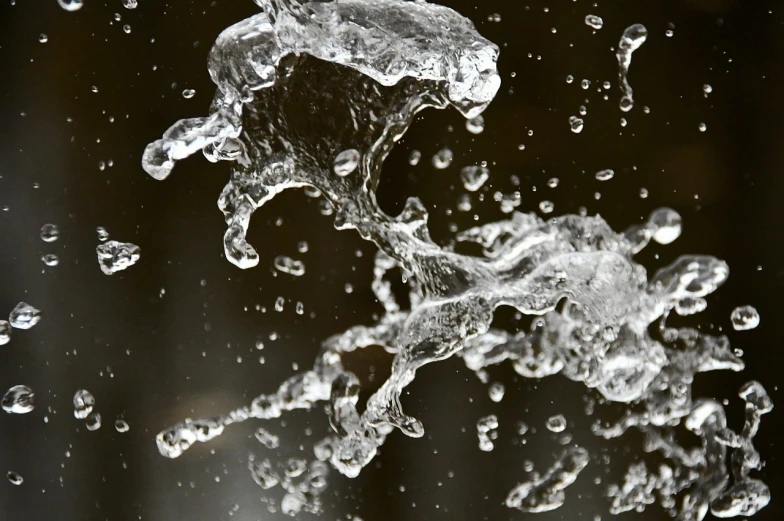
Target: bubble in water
[633,37]
[443,158]
[130,4]
[744,318]
[121,425]
[665,224]
[576,124]
[24,316]
[14,478]
[605,175]
[288,265]
[546,206]
[83,402]
[93,421]
[51,260]
[19,399]
[266,438]
[556,423]
[473,177]
[49,232]
[71,5]
[114,256]
[594,21]
[496,391]
[5,332]
[475,125]
[486,432]
[188,93]
[346,162]
[414,157]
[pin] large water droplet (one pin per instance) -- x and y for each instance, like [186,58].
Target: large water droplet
[576,124]
[594,21]
[83,402]
[744,318]
[473,177]
[71,5]
[556,423]
[93,421]
[14,478]
[5,332]
[24,316]
[605,175]
[19,399]
[443,158]
[49,232]
[114,256]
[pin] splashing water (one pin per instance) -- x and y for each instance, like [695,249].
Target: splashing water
[631,40]
[391,59]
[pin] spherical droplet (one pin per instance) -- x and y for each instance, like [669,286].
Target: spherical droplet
[475,125]
[49,232]
[594,21]
[188,93]
[93,422]
[71,5]
[414,157]
[744,318]
[24,316]
[121,425]
[443,158]
[665,225]
[605,175]
[14,478]
[576,124]
[19,399]
[51,260]
[83,402]
[546,206]
[556,423]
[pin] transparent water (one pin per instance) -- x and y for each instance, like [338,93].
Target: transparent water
[315,97]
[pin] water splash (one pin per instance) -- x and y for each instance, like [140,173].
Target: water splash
[631,40]
[390,59]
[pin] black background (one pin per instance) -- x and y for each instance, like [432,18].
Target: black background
[155,359]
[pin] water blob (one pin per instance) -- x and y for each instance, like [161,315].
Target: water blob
[5,332]
[71,5]
[14,478]
[93,421]
[593,21]
[288,265]
[49,232]
[486,432]
[121,425]
[475,125]
[346,162]
[24,316]
[604,175]
[474,177]
[496,391]
[631,40]
[19,399]
[744,318]
[576,124]
[556,423]
[114,256]
[443,158]
[83,402]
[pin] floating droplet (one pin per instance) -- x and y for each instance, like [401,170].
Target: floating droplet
[553,182]
[474,177]
[707,89]
[24,316]
[634,36]
[121,425]
[51,260]
[127,29]
[585,84]
[130,4]
[19,399]
[43,38]
[665,225]
[594,21]
[49,232]
[486,432]
[744,318]
[703,127]
[103,235]
[414,157]
[188,93]
[267,439]
[443,158]
[71,5]
[496,391]
[556,423]
[576,124]
[83,402]
[546,206]
[114,256]
[5,332]
[14,478]
[93,421]
[605,175]
[346,162]
[288,265]
[475,125]
[569,79]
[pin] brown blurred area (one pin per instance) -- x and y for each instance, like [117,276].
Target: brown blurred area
[174,336]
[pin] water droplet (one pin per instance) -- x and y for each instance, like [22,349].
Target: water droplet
[302,246]
[127,29]
[114,256]
[703,127]
[707,89]
[604,175]
[279,303]
[569,79]
[5,332]
[71,5]
[443,158]
[51,260]
[665,224]
[668,33]
[49,232]
[546,207]
[634,36]
[288,265]
[93,421]
[585,84]
[744,318]
[346,162]
[121,425]
[83,402]
[473,177]
[19,399]
[576,124]
[475,125]
[556,423]
[486,432]
[188,93]
[103,235]
[43,38]
[594,21]
[414,157]
[267,439]
[496,391]
[130,4]
[553,182]
[643,193]
[14,478]
[24,316]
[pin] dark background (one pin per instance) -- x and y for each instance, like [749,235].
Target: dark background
[155,359]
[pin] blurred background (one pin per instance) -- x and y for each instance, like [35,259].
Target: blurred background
[174,336]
